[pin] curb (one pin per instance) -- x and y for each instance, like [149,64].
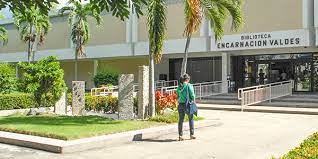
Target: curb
[62,146]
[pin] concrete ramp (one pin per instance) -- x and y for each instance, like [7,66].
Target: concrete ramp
[297,100]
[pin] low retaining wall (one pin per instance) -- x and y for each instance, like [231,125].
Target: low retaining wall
[61,146]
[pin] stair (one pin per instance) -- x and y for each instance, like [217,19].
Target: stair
[295,100]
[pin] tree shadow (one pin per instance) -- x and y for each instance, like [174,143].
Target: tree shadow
[138,138]
[158,140]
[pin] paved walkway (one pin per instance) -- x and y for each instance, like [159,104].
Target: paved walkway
[238,135]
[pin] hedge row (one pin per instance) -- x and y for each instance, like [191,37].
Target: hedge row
[17,101]
[26,100]
[21,101]
[101,103]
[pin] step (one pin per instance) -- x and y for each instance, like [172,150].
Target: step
[289,104]
[229,102]
[263,109]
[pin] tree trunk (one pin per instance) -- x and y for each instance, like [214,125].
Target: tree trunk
[152,105]
[75,66]
[30,45]
[185,57]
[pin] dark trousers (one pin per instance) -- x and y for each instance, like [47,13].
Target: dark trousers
[182,112]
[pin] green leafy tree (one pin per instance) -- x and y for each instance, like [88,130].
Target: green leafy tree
[8,78]
[217,11]
[43,5]
[33,26]
[78,19]
[156,30]
[3,33]
[45,79]
[106,76]
[119,8]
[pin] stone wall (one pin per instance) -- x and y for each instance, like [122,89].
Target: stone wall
[78,102]
[143,91]
[125,97]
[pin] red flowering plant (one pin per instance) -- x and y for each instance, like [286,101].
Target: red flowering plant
[165,100]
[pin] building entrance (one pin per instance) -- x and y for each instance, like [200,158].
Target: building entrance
[264,69]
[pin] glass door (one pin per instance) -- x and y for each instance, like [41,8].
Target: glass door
[315,73]
[302,76]
[262,74]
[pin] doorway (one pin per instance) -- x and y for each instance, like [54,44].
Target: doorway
[281,70]
[302,79]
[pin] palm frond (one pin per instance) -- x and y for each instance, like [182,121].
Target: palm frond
[78,19]
[3,35]
[193,16]
[218,11]
[157,27]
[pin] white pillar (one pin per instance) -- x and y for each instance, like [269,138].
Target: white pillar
[95,67]
[225,65]
[16,71]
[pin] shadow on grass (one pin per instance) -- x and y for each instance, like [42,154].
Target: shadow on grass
[57,120]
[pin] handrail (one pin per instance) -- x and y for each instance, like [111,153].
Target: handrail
[103,90]
[261,93]
[240,90]
[203,89]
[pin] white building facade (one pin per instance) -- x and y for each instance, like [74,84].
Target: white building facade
[279,36]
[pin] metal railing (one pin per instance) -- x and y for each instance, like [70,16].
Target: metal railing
[204,89]
[104,91]
[159,84]
[267,92]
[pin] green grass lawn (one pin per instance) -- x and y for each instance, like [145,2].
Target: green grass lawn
[307,150]
[173,118]
[69,128]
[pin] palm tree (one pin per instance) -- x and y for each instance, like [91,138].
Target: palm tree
[33,26]
[156,30]
[217,11]
[3,33]
[78,19]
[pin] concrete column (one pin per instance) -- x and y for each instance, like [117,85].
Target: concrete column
[129,29]
[132,30]
[60,106]
[132,27]
[204,30]
[225,65]
[78,102]
[126,97]
[143,92]
[16,71]
[95,67]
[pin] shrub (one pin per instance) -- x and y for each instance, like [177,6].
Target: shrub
[45,79]
[17,101]
[307,150]
[106,104]
[7,78]
[164,101]
[101,103]
[106,77]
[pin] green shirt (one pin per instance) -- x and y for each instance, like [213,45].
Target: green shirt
[182,92]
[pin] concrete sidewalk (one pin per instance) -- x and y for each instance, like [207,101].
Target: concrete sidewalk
[240,135]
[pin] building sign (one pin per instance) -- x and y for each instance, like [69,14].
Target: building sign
[278,39]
